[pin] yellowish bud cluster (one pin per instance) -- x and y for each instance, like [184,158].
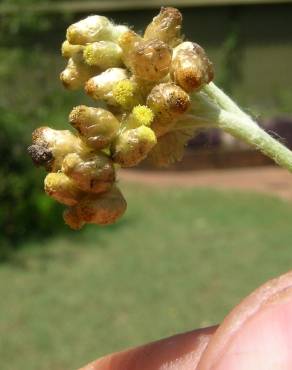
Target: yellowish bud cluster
[144,84]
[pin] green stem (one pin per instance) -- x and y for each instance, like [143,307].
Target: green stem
[246,129]
[221,99]
[212,107]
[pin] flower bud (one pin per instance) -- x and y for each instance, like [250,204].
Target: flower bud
[100,209]
[94,28]
[103,54]
[150,59]
[93,173]
[76,74]
[90,29]
[167,101]
[62,189]
[51,146]
[166,26]
[191,68]
[101,86]
[72,51]
[96,125]
[133,145]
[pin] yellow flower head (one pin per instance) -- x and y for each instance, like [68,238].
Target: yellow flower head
[142,115]
[124,93]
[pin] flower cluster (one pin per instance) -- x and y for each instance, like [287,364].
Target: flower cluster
[143,84]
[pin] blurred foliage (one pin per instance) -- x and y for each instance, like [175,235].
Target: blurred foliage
[28,99]
[230,74]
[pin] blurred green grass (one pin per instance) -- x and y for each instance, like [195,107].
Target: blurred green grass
[179,259]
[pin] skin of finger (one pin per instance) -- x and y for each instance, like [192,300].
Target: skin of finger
[235,327]
[182,351]
[265,340]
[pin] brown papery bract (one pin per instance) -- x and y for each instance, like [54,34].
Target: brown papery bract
[166,26]
[191,68]
[167,101]
[150,60]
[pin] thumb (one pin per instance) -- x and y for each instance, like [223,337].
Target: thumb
[182,351]
[257,334]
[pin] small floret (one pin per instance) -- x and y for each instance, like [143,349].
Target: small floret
[94,173]
[140,115]
[97,125]
[191,68]
[132,146]
[76,74]
[101,87]
[103,54]
[167,101]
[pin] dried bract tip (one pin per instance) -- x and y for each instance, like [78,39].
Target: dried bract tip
[101,87]
[167,101]
[72,218]
[62,189]
[93,174]
[166,26]
[76,74]
[96,125]
[133,145]
[103,54]
[191,68]
[170,148]
[41,156]
[90,29]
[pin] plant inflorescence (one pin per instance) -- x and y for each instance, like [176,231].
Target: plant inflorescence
[151,93]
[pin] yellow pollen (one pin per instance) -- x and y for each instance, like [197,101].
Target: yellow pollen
[143,115]
[123,92]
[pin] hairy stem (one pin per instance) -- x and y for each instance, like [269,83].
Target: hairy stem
[213,108]
[246,129]
[221,99]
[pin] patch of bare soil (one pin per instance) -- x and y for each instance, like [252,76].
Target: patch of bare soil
[269,180]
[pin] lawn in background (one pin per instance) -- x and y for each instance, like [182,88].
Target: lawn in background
[179,259]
